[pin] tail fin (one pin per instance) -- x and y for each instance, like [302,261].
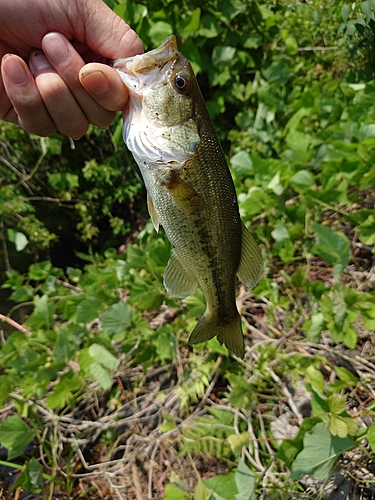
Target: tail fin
[230,335]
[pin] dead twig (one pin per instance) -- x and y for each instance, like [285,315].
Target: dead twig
[15,325]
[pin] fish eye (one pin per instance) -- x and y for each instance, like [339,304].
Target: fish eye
[182,83]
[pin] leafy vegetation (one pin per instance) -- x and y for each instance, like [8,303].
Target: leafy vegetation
[99,389]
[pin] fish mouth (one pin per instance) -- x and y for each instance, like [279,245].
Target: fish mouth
[138,71]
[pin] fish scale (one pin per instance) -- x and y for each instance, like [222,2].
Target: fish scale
[190,189]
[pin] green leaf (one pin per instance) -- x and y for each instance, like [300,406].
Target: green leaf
[345,9]
[35,473]
[240,397]
[366,231]
[337,426]
[202,492]
[222,486]
[210,27]
[275,184]
[331,246]
[63,181]
[302,179]
[371,436]
[192,53]
[6,387]
[317,324]
[241,163]
[290,448]
[40,270]
[194,21]
[238,441]
[320,451]
[280,233]
[278,71]
[245,481]
[350,337]
[15,435]
[159,31]
[170,423]
[104,357]
[346,376]
[20,241]
[166,343]
[22,294]
[172,492]
[101,375]
[336,404]
[31,478]
[319,404]
[315,378]
[342,426]
[87,309]
[223,56]
[291,44]
[116,318]
[43,314]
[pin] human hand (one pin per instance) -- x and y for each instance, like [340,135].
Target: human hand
[57,90]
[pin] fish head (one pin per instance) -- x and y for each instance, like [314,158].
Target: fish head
[160,120]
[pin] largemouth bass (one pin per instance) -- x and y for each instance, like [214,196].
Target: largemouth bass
[190,190]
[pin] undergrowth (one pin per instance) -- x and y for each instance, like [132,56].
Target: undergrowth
[101,396]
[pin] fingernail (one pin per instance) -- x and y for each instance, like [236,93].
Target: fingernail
[95,82]
[56,48]
[39,61]
[14,69]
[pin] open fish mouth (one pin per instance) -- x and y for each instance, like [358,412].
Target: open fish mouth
[141,70]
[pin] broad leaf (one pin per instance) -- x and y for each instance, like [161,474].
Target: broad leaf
[116,318]
[15,435]
[320,451]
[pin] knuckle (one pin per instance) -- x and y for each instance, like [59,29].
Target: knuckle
[74,130]
[104,119]
[38,127]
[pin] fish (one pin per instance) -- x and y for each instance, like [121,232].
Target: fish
[190,191]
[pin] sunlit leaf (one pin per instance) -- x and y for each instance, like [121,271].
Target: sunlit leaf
[116,318]
[320,451]
[15,435]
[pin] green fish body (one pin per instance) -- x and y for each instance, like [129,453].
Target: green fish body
[190,190]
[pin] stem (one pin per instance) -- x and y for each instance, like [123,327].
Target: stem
[22,467]
[54,446]
[5,248]
[13,323]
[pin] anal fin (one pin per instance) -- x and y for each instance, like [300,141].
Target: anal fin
[178,281]
[251,263]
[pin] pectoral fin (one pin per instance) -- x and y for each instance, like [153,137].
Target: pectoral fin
[184,195]
[178,281]
[153,214]
[251,263]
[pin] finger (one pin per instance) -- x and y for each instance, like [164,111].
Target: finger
[27,108]
[107,34]
[57,97]
[104,84]
[5,104]
[67,63]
